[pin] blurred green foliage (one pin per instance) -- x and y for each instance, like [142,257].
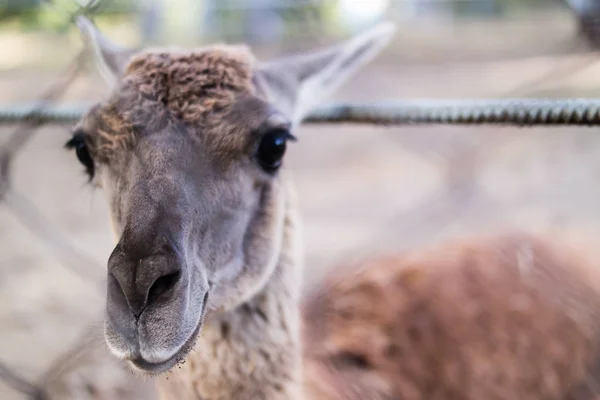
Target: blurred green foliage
[54,15]
[231,18]
[287,20]
[496,7]
[24,10]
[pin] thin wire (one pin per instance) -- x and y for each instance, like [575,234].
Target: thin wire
[75,260]
[16,382]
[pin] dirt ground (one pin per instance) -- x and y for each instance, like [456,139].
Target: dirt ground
[362,189]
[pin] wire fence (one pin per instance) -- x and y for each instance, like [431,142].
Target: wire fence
[37,224]
[31,218]
[449,202]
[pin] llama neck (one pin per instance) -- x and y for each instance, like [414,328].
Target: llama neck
[253,351]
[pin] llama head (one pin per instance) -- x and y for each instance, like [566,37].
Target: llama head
[188,149]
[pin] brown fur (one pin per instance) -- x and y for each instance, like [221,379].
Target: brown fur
[170,87]
[510,317]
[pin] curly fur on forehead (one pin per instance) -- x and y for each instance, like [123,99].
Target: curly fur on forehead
[162,87]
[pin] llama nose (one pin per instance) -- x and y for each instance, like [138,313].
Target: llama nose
[142,283]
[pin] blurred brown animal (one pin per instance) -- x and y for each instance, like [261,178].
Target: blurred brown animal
[206,271]
[510,316]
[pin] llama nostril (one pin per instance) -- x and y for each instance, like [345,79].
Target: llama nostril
[162,285]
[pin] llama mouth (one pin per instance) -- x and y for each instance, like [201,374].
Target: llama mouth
[152,368]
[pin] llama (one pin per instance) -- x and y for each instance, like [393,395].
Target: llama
[506,316]
[206,272]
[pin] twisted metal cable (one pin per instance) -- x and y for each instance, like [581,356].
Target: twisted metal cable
[521,112]
[41,115]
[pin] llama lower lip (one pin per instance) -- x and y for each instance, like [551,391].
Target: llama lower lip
[155,368]
[158,368]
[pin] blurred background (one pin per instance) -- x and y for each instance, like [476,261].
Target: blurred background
[362,189]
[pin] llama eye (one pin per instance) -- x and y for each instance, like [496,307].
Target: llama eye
[271,149]
[77,142]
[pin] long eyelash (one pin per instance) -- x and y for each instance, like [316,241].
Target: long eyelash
[291,137]
[77,138]
[286,134]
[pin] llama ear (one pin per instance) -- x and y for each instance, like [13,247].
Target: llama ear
[298,83]
[109,58]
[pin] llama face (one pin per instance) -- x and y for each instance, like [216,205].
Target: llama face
[188,150]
